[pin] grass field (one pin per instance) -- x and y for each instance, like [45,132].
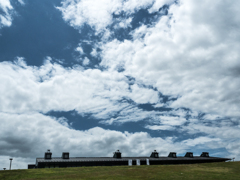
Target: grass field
[228,170]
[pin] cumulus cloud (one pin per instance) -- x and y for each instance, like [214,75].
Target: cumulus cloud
[191,54]
[94,53]
[99,14]
[80,50]
[27,136]
[26,133]
[45,88]
[86,61]
[123,23]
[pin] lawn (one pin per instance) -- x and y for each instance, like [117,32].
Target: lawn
[228,170]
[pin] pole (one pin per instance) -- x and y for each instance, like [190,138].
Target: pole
[10,163]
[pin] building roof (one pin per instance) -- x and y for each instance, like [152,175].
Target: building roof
[90,159]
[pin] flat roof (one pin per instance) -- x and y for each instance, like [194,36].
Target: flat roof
[90,159]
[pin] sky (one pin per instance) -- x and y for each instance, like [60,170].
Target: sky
[92,76]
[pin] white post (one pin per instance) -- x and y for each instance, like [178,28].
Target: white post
[130,162]
[10,163]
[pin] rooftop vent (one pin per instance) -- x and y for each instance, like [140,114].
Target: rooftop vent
[154,154]
[48,154]
[172,154]
[205,154]
[65,155]
[117,154]
[189,154]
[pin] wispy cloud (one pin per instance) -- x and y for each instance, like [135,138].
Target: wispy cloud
[5,17]
[21,2]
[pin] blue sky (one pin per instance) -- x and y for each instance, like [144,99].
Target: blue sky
[94,76]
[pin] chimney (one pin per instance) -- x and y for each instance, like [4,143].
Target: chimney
[172,154]
[154,154]
[117,154]
[205,154]
[189,154]
[65,155]
[48,154]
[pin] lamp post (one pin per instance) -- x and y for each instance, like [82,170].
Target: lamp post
[10,163]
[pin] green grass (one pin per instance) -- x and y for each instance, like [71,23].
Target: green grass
[228,170]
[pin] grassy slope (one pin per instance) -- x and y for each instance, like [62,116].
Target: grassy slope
[229,170]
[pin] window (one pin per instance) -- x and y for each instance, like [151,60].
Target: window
[156,155]
[48,156]
[66,156]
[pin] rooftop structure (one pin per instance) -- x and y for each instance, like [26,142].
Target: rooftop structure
[117,160]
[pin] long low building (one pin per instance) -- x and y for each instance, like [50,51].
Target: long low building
[117,160]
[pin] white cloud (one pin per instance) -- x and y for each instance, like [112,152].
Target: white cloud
[191,54]
[158,4]
[225,133]
[168,120]
[94,53]
[143,95]
[131,114]
[45,88]
[80,50]
[28,90]
[163,127]
[20,61]
[206,141]
[99,14]
[64,122]
[5,18]
[21,2]
[123,23]
[5,5]
[86,61]
[29,135]
[172,121]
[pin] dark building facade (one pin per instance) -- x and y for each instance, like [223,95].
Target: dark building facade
[117,160]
